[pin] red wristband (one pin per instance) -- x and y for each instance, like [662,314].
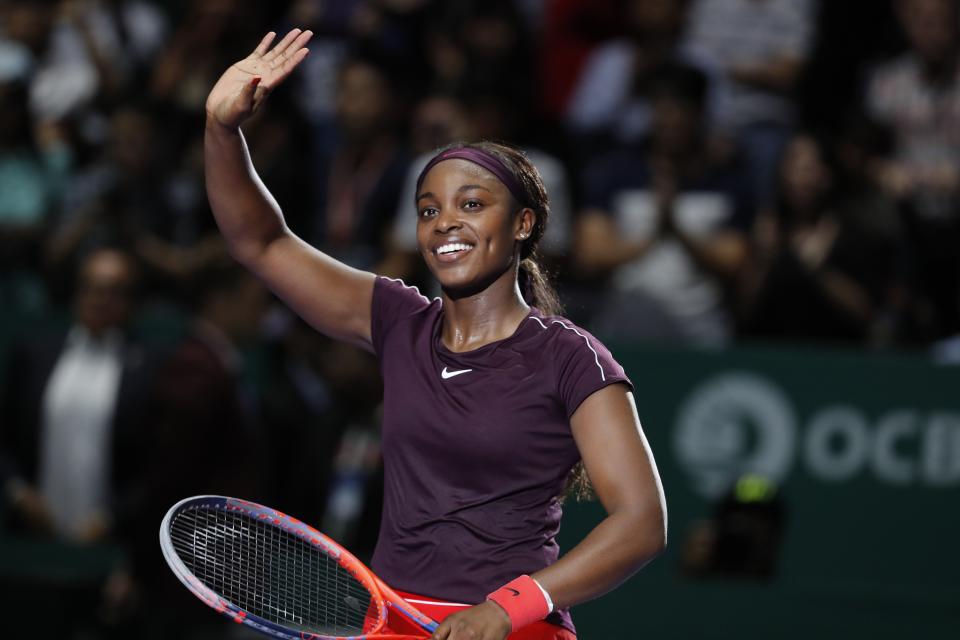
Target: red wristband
[523,600]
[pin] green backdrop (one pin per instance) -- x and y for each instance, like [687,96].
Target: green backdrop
[865,450]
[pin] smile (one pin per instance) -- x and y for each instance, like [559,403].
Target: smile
[452,250]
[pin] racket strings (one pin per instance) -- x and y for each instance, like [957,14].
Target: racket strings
[269,572]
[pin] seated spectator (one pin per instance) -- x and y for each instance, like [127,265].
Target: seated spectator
[33,43]
[360,180]
[758,49]
[133,193]
[665,221]
[818,271]
[118,38]
[34,165]
[202,431]
[611,99]
[917,95]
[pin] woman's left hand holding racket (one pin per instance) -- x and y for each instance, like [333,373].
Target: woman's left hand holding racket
[486,621]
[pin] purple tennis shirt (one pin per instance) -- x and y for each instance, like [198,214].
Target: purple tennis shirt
[477,446]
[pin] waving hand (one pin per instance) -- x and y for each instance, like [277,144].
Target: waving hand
[245,85]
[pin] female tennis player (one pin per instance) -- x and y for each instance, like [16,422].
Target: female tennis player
[489,403]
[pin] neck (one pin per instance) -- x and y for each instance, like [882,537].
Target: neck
[472,321]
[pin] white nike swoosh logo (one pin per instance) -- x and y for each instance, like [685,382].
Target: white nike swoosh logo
[450,374]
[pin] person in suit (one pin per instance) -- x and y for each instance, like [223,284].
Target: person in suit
[73,433]
[73,407]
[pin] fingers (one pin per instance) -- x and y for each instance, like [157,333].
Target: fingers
[291,63]
[264,45]
[283,67]
[283,45]
[294,53]
[442,632]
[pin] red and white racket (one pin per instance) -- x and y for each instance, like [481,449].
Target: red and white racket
[277,575]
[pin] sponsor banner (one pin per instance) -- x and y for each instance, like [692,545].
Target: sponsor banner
[863,453]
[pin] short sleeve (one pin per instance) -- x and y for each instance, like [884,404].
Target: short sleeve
[393,301]
[585,366]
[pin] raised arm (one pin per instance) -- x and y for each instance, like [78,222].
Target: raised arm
[331,296]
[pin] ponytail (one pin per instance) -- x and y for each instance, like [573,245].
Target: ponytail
[536,287]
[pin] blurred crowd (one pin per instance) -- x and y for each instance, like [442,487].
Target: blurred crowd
[720,171]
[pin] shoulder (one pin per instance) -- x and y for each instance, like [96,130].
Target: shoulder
[397,304]
[580,363]
[396,295]
[570,342]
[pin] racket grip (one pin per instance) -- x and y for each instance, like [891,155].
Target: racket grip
[524,600]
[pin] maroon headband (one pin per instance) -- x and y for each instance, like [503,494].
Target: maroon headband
[482,158]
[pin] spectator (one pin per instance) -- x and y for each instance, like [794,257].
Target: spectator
[482,46]
[815,272]
[759,49]
[569,32]
[33,43]
[74,412]
[324,433]
[917,95]
[117,38]
[360,181]
[34,165]
[202,431]
[132,193]
[611,98]
[665,222]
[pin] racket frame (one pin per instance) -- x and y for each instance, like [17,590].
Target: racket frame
[377,589]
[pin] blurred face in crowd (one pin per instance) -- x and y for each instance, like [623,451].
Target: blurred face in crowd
[438,121]
[132,141]
[237,307]
[677,125]
[29,23]
[491,34]
[805,176]
[104,297]
[653,18]
[931,27]
[466,226]
[363,100]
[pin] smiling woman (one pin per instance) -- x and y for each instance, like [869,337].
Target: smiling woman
[491,399]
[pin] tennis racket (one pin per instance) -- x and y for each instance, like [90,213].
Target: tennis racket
[275,574]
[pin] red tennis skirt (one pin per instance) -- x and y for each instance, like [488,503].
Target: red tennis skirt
[440,609]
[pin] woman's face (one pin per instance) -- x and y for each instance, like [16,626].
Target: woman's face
[468,227]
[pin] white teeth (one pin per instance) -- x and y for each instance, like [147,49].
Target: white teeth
[453,246]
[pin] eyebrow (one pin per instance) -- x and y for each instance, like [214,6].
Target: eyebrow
[466,187]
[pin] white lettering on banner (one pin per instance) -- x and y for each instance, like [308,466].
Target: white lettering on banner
[733,424]
[889,463]
[940,457]
[837,443]
[738,422]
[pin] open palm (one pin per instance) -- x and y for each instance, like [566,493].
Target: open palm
[245,85]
